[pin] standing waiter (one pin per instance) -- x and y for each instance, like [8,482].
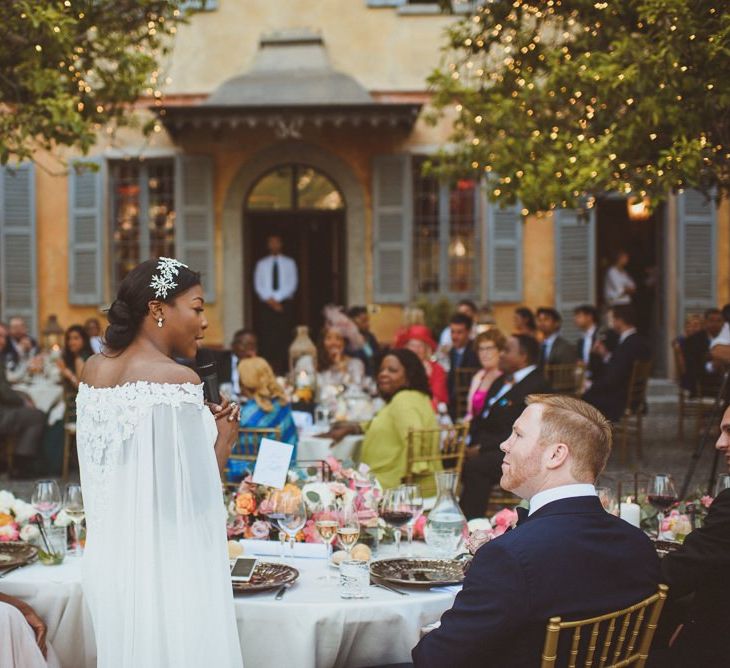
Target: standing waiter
[276,281]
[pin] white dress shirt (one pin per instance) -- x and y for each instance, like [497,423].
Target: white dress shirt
[563,492]
[288,278]
[723,338]
[588,343]
[517,377]
[617,280]
[625,335]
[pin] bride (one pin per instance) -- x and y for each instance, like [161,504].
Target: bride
[156,573]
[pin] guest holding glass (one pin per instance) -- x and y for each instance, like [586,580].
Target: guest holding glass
[488,345]
[418,339]
[76,350]
[264,404]
[402,383]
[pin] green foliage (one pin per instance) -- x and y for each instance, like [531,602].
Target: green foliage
[567,99]
[436,314]
[68,68]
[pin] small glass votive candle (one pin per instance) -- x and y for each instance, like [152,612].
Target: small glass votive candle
[54,552]
[354,579]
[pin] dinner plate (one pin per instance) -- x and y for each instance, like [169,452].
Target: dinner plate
[418,572]
[16,553]
[267,575]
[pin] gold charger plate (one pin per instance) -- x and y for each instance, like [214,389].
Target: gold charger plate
[267,575]
[16,553]
[418,572]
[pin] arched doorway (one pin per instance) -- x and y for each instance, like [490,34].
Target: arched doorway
[306,209]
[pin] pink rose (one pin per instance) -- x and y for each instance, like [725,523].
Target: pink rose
[706,500]
[260,530]
[419,526]
[266,507]
[334,464]
[9,532]
[504,519]
[338,489]
[236,527]
[310,533]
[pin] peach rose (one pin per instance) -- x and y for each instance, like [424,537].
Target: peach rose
[5,519]
[245,503]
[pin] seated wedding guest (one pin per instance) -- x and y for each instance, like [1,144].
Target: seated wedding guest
[76,350]
[700,568]
[554,349]
[720,345]
[263,401]
[369,353]
[468,308]
[461,356]
[93,328]
[19,419]
[402,383]
[489,346]
[23,641]
[524,322]
[335,367]
[567,557]
[586,320]
[19,346]
[503,404]
[609,392]
[243,345]
[698,367]
[418,339]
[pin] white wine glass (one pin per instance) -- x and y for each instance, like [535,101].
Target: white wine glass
[73,504]
[348,530]
[326,522]
[46,499]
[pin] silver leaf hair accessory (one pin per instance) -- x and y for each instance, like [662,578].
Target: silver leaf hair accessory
[164,280]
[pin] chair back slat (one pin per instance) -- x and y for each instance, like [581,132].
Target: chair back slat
[637,623]
[246,448]
[564,378]
[638,383]
[462,383]
[445,444]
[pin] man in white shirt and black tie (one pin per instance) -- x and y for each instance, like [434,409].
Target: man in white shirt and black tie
[276,281]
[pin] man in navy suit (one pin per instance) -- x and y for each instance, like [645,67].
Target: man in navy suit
[503,404]
[461,356]
[609,391]
[567,558]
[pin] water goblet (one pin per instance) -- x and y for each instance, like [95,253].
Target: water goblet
[415,503]
[46,499]
[292,516]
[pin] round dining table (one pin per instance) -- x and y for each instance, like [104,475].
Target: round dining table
[309,627]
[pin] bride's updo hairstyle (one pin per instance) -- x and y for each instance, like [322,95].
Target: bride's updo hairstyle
[129,309]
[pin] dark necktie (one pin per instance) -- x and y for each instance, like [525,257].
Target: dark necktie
[543,356]
[275,274]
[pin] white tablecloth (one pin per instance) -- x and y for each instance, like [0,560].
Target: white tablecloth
[311,627]
[46,395]
[313,447]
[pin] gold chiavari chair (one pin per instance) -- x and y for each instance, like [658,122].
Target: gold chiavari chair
[627,636]
[245,451]
[445,444]
[462,382]
[565,378]
[631,422]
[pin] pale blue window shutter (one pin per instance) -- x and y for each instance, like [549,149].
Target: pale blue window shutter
[85,231]
[199,5]
[18,288]
[392,227]
[697,255]
[504,252]
[575,265]
[195,218]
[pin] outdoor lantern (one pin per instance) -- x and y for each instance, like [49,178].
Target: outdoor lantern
[638,209]
[52,334]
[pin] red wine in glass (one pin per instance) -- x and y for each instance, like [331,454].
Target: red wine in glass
[662,502]
[397,518]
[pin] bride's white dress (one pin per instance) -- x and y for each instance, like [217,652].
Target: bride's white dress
[156,573]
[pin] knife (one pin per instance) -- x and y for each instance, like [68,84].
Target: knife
[388,587]
[10,570]
[282,591]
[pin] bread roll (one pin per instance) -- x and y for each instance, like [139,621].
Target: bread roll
[235,549]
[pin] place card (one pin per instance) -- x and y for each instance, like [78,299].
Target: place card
[272,463]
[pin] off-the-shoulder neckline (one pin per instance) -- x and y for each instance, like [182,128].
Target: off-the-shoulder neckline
[133,383]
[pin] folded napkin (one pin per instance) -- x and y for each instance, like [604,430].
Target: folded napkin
[267,548]
[449,589]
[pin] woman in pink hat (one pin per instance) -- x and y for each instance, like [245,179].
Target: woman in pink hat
[418,339]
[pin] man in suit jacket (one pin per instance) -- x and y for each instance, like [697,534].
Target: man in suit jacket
[244,344]
[502,406]
[19,419]
[696,352]
[567,558]
[554,348]
[461,356]
[700,568]
[19,346]
[609,392]
[586,320]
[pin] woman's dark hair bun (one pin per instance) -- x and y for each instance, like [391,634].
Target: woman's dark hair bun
[129,309]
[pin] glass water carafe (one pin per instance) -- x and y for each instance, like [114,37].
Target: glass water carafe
[446,525]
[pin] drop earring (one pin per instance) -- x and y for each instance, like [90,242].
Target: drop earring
[159,321]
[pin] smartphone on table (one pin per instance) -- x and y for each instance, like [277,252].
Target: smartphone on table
[243,568]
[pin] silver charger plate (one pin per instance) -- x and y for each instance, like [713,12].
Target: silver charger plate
[418,572]
[267,575]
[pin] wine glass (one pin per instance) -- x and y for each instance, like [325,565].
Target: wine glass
[662,494]
[396,512]
[46,498]
[414,500]
[291,516]
[326,522]
[73,504]
[348,530]
[723,482]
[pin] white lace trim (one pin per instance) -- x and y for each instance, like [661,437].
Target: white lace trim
[106,417]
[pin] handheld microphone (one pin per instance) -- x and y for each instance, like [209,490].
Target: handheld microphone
[208,371]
